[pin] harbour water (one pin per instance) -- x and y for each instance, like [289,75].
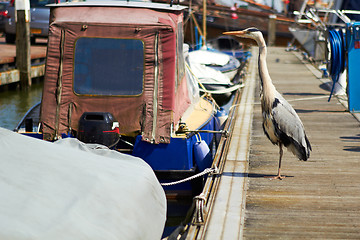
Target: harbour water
[14,103]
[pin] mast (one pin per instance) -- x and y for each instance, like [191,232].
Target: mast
[204,22]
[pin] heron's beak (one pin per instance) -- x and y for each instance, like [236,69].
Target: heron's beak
[235,33]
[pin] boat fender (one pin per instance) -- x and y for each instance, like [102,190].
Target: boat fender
[202,154]
[222,116]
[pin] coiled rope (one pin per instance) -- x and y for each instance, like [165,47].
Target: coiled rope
[337,63]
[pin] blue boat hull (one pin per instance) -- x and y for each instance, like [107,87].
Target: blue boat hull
[178,155]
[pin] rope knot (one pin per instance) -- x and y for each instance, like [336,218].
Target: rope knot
[200,208]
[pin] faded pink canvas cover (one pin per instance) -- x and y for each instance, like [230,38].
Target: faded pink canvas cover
[164,92]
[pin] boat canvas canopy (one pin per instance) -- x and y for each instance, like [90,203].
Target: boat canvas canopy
[118,58]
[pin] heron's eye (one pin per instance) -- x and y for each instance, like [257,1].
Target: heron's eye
[253,30]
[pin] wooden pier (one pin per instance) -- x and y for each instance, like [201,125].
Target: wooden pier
[318,199]
[9,73]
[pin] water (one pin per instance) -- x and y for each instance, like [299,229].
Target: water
[14,103]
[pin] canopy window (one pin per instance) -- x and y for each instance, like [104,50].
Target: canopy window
[108,67]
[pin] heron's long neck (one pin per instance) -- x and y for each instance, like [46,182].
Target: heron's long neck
[268,89]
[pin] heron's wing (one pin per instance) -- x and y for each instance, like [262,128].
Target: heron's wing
[289,127]
[288,107]
[288,121]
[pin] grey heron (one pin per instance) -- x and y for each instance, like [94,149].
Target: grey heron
[281,123]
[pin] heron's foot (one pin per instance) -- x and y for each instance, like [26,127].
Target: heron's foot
[277,177]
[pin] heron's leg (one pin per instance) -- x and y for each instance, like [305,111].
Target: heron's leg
[281,154]
[279,169]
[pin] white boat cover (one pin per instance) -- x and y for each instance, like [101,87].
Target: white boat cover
[206,57]
[208,75]
[198,61]
[69,190]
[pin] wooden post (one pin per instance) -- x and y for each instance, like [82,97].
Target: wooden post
[23,58]
[272,30]
[204,22]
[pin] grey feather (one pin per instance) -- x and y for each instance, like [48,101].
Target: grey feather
[290,129]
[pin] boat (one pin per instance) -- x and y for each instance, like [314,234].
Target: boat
[217,72]
[218,64]
[72,190]
[226,64]
[126,83]
[230,46]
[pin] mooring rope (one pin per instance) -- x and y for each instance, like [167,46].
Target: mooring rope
[200,207]
[206,171]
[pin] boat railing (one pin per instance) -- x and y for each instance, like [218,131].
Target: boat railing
[32,114]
